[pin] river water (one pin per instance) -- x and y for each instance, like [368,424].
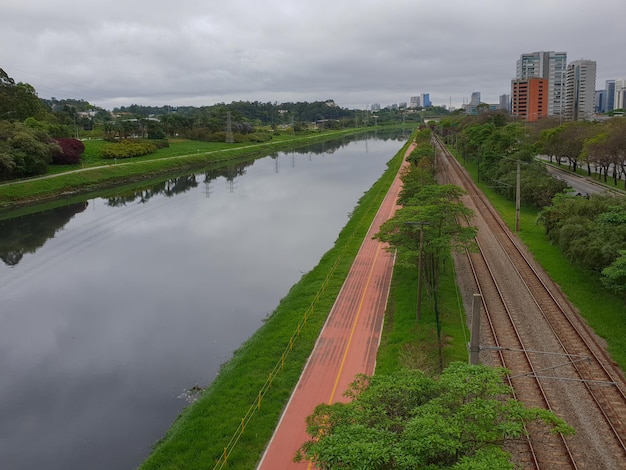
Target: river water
[112,308]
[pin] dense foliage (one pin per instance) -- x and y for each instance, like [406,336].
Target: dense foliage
[600,147]
[590,232]
[71,150]
[24,151]
[408,420]
[429,208]
[496,144]
[18,101]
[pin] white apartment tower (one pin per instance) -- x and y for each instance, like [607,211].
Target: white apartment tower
[550,66]
[580,90]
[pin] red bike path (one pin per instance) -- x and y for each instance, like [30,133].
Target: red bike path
[347,345]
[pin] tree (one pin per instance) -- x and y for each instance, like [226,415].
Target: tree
[614,276]
[437,207]
[155,130]
[18,101]
[408,420]
[71,150]
[24,151]
[567,141]
[606,149]
[590,232]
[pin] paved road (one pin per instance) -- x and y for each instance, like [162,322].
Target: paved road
[582,185]
[347,344]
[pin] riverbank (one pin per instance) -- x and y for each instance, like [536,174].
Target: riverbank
[100,177]
[260,376]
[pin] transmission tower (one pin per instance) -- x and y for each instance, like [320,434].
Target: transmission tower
[229,129]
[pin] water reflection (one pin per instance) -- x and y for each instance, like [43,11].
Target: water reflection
[121,304]
[178,185]
[28,233]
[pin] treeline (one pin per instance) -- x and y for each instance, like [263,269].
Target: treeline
[591,232]
[276,114]
[495,142]
[32,135]
[35,133]
[425,230]
[255,112]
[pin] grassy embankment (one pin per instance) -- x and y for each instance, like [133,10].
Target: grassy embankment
[198,438]
[95,174]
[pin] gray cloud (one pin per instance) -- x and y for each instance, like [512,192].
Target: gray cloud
[202,52]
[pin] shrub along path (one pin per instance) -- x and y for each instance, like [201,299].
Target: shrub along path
[348,343]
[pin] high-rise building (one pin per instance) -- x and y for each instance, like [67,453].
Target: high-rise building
[505,102]
[529,98]
[620,94]
[599,102]
[550,66]
[426,100]
[609,96]
[471,108]
[416,102]
[580,90]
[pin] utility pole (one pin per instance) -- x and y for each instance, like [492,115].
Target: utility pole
[518,179]
[474,346]
[229,129]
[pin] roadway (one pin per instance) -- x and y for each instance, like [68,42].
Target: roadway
[582,185]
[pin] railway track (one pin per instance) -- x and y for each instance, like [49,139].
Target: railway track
[555,361]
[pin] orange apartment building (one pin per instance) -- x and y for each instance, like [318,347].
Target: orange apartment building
[529,98]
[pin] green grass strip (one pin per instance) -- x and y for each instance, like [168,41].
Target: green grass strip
[406,343]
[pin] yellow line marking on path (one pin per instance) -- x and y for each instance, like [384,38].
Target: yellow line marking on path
[356,319]
[345,354]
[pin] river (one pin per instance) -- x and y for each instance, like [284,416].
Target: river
[113,307]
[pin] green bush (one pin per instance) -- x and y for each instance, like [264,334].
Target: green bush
[127,149]
[24,151]
[160,143]
[260,137]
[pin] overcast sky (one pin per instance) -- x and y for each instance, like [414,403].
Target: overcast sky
[357,52]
